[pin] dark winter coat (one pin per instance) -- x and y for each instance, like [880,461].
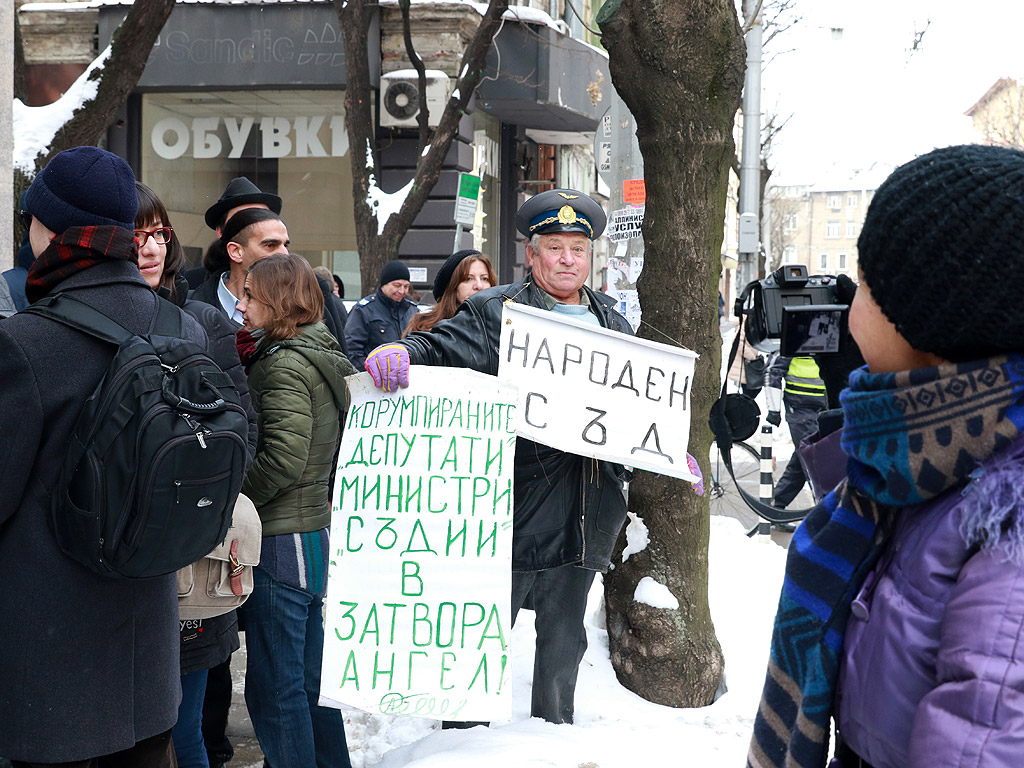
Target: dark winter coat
[298,390]
[7,307]
[568,509]
[335,314]
[207,293]
[375,320]
[933,668]
[88,665]
[17,276]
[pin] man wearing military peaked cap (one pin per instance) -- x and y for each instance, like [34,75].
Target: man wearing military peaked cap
[569,509]
[561,210]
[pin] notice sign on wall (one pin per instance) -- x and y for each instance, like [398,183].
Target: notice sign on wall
[420,575]
[595,392]
[625,224]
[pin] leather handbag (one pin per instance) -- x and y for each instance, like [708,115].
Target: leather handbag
[222,580]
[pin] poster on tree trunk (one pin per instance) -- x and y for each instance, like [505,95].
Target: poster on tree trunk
[594,392]
[420,573]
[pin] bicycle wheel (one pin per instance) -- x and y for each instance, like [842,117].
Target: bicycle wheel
[725,499]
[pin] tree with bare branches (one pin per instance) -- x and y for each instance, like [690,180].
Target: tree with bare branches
[377,240]
[116,77]
[678,65]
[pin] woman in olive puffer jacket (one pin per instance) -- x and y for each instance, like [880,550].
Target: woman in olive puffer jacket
[297,381]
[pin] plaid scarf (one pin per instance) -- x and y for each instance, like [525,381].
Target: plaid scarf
[77,248]
[909,437]
[246,342]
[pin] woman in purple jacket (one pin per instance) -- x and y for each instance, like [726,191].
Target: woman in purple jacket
[901,619]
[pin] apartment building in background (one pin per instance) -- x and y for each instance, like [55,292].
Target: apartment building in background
[817,224]
[998,116]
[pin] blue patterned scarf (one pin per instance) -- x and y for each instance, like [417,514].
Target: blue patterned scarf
[909,437]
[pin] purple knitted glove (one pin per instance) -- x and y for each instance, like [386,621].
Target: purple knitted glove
[388,364]
[698,487]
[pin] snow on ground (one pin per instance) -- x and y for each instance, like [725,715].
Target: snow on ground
[614,727]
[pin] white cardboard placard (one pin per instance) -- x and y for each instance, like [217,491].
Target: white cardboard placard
[595,392]
[418,614]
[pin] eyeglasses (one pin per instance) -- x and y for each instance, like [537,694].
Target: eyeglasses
[26,219]
[161,235]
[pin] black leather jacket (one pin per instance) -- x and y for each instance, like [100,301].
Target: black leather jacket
[568,509]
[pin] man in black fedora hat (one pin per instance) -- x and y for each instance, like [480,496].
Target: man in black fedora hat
[239,194]
[235,248]
[568,509]
[211,285]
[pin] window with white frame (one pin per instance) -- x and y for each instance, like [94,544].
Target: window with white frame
[832,229]
[823,261]
[789,222]
[789,254]
[852,200]
[851,229]
[833,202]
[842,261]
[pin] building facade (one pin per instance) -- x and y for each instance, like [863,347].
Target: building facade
[818,224]
[257,89]
[998,116]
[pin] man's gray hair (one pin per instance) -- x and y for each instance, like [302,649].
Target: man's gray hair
[534,240]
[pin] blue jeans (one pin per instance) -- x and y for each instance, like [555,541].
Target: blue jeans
[188,731]
[284,640]
[559,598]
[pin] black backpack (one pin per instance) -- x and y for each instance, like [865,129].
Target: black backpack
[157,455]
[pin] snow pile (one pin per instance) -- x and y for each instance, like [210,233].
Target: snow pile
[614,728]
[655,594]
[35,127]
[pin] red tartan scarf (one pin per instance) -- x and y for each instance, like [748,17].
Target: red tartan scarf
[246,342]
[76,249]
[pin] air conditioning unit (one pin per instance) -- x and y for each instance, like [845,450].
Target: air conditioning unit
[400,97]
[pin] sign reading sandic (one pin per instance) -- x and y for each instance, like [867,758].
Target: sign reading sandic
[210,137]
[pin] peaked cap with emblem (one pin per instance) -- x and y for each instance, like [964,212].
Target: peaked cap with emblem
[561,210]
[240,191]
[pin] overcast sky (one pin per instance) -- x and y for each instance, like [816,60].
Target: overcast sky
[862,95]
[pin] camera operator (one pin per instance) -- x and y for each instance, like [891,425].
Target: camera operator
[804,399]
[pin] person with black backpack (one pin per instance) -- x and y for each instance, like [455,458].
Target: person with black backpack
[88,661]
[208,642]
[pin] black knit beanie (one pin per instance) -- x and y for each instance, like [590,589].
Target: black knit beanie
[83,186]
[942,251]
[393,270]
[444,274]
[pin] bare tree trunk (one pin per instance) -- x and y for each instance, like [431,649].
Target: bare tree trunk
[19,61]
[678,65]
[133,40]
[378,245]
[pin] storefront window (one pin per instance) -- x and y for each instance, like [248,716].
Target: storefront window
[291,143]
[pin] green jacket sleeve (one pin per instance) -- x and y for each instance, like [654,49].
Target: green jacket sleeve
[286,427]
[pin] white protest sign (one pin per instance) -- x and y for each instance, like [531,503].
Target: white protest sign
[625,224]
[595,392]
[420,573]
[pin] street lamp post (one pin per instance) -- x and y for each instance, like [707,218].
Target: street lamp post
[750,160]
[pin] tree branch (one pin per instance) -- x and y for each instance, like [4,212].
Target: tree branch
[130,48]
[428,167]
[423,115]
